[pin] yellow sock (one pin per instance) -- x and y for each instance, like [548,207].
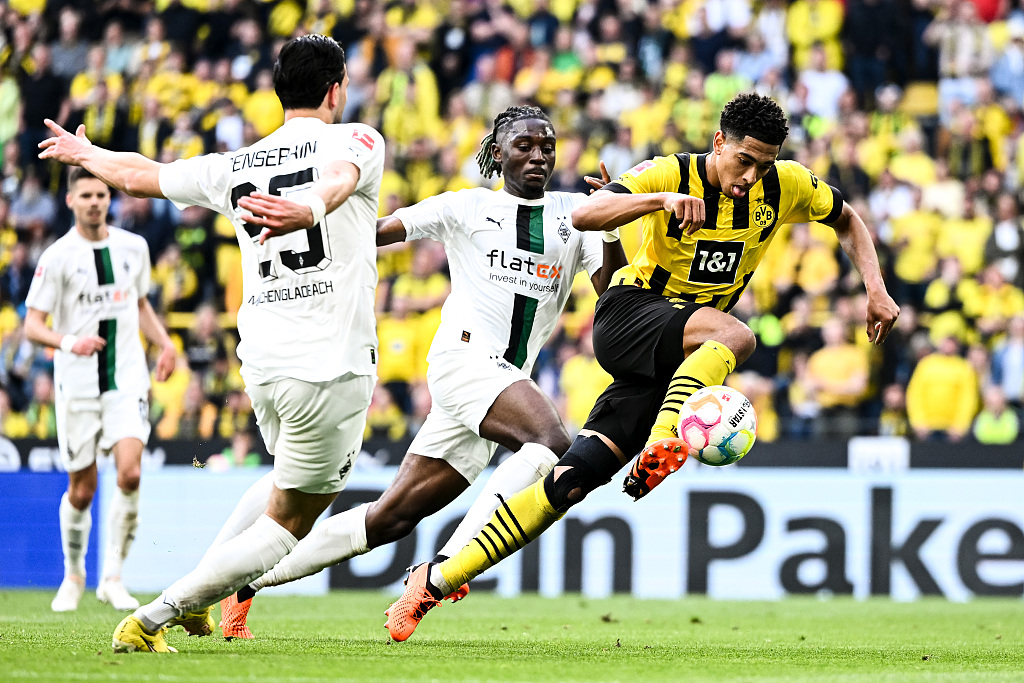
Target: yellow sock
[516,522]
[707,366]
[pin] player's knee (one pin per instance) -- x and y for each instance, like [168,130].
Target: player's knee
[591,465]
[741,341]
[385,526]
[128,478]
[80,494]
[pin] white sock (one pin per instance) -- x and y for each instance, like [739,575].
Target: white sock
[74,536]
[336,539]
[525,467]
[122,521]
[252,504]
[221,572]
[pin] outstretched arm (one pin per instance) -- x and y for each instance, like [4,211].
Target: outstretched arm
[856,242]
[126,171]
[607,210]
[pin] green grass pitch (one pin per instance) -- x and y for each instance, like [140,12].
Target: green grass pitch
[487,638]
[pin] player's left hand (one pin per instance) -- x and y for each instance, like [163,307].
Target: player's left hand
[598,183]
[277,215]
[64,147]
[882,315]
[166,362]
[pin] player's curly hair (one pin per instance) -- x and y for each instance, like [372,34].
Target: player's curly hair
[484,159]
[755,115]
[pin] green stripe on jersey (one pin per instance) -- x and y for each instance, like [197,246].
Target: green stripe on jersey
[530,228]
[524,309]
[107,356]
[104,268]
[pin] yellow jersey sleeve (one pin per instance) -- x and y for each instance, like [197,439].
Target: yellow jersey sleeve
[660,174]
[809,199]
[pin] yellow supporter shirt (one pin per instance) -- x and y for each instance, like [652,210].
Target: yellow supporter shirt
[990,303]
[965,239]
[82,85]
[915,234]
[917,168]
[582,381]
[812,21]
[834,366]
[263,110]
[397,339]
[942,394]
[715,264]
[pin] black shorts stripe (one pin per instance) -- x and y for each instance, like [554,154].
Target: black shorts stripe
[711,194]
[772,187]
[659,279]
[837,207]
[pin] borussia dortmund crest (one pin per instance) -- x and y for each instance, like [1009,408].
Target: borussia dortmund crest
[763,216]
[563,232]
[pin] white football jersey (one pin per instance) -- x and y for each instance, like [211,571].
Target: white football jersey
[512,264]
[307,307]
[93,288]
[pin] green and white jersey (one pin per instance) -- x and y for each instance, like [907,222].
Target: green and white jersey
[512,263]
[93,288]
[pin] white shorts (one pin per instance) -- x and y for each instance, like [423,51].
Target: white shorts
[314,430]
[464,383]
[87,427]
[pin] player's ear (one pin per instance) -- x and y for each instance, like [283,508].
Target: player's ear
[719,143]
[496,151]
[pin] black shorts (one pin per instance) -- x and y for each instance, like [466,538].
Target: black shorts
[638,339]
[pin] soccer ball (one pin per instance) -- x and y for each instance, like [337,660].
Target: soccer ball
[719,423]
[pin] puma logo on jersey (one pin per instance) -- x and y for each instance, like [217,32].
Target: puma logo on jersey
[491,220]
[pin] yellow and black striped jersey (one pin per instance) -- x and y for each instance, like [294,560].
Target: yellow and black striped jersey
[715,264]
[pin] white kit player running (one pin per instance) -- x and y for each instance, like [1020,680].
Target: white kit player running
[308,340]
[94,281]
[513,255]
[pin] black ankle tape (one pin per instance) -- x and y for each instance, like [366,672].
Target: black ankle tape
[245,593]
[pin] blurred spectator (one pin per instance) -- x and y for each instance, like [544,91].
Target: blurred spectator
[1008,71]
[41,414]
[582,381]
[872,31]
[942,396]
[118,53]
[33,209]
[384,418]
[892,421]
[42,97]
[1005,246]
[174,281]
[824,85]
[486,96]
[815,21]
[836,379]
[13,425]
[965,53]
[996,423]
[16,277]
[1008,363]
[70,51]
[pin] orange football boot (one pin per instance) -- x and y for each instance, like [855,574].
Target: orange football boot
[232,617]
[406,612]
[654,463]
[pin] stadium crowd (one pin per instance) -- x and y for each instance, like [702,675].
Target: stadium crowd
[912,108]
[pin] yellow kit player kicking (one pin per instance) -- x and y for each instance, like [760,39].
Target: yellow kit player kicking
[662,329]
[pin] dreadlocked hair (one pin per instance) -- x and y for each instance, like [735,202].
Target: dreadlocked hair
[757,116]
[484,158]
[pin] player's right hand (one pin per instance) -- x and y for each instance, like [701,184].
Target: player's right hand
[276,215]
[689,210]
[88,345]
